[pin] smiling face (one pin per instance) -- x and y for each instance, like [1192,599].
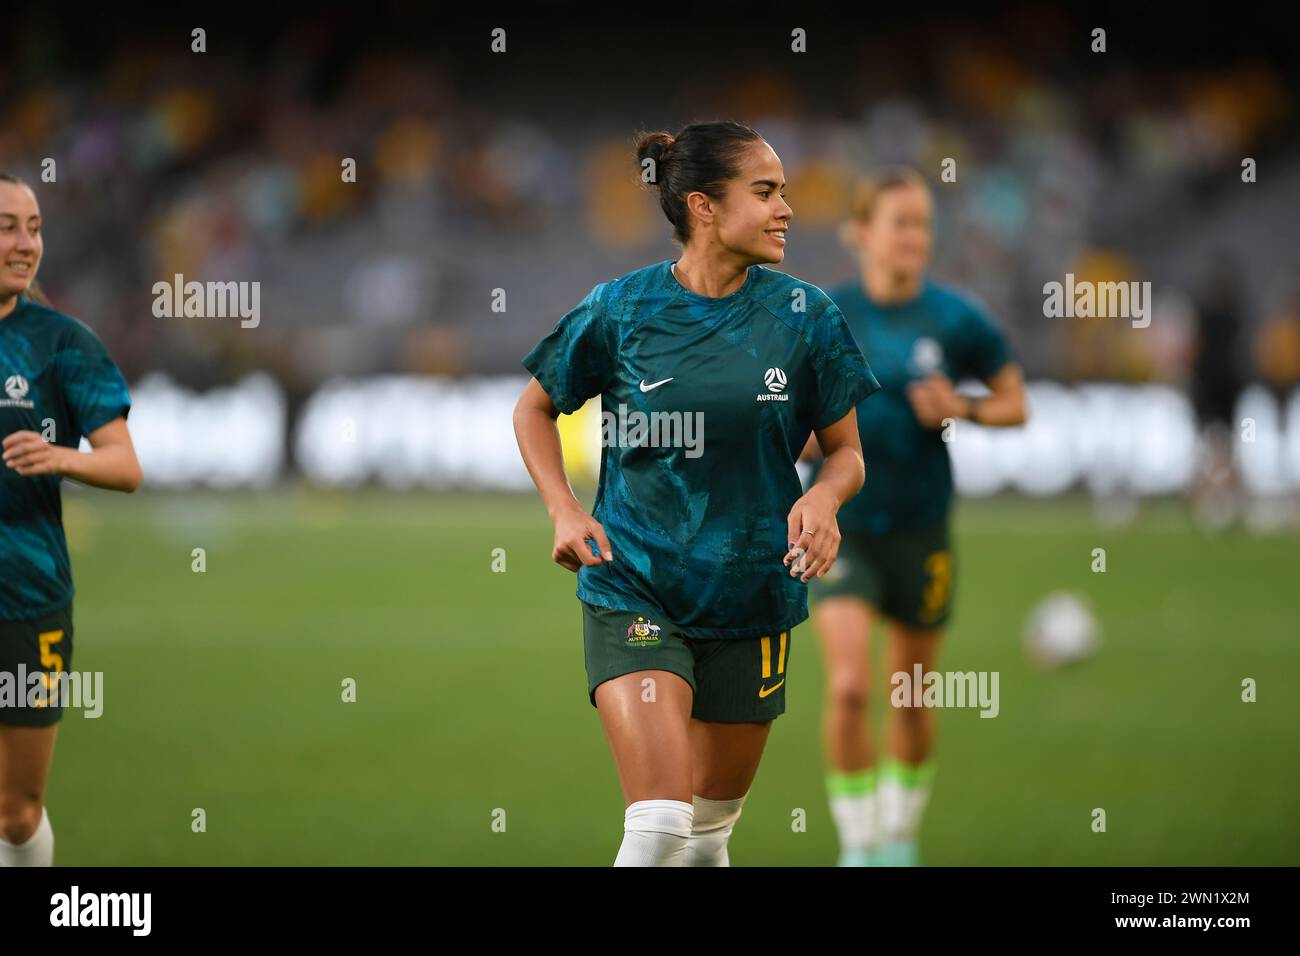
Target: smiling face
[899,235]
[20,239]
[752,217]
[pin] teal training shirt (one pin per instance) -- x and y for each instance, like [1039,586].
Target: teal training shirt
[53,369]
[909,475]
[698,530]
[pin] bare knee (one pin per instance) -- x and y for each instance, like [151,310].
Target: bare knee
[915,723]
[20,815]
[720,788]
[913,716]
[848,698]
[657,781]
[730,783]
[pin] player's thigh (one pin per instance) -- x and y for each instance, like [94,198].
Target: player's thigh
[640,677]
[843,624]
[646,717]
[740,686]
[725,757]
[29,721]
[25,757]
[844,609]
[907,646]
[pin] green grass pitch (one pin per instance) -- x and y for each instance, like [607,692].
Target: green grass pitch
[223,691]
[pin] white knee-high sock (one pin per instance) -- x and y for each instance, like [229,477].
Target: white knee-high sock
[853,807]
[904,793]
[710,831]
[655,833]
[37,851]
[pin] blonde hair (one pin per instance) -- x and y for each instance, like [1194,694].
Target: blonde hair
[868,190]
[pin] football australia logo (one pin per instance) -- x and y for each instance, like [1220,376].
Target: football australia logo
[642,633]
[16,389]
[927,357]
[774,379]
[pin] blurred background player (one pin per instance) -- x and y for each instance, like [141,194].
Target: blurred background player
[1216,384]
[687,602]
[895,559]
[1276,353]
[59,384]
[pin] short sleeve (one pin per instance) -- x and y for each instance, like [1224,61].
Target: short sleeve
[984,348]
[842,376]
[93,388]
[577,360]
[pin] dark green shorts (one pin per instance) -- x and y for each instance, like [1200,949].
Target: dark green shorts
[907,575]
[735,680]
[42,646]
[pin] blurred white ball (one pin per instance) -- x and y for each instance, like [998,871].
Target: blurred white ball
[1061,629]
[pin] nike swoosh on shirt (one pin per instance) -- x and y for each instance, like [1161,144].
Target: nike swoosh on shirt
[764,691]
[646,388]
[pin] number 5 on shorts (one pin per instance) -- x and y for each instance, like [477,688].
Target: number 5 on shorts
[51,661]
[935,598]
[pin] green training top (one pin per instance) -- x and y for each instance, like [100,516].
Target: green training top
[54,371]
[909,476]
[706,405]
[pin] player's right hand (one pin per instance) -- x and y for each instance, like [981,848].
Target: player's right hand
[934,401]
[573,529]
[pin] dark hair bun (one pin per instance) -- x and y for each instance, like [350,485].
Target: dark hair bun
[653,146]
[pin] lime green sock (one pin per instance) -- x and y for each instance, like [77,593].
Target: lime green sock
[909,775]
[851,783]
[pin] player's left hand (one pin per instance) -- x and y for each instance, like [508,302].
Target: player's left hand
[934,399]
[27,453]
[814,535]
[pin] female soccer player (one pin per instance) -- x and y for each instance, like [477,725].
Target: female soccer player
[703,541]
[59,384]
[895,558]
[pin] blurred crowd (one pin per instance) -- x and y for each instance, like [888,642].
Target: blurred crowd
[231,167]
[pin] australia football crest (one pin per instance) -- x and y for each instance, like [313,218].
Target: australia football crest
[16,388]
[642,632]
[927,357]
